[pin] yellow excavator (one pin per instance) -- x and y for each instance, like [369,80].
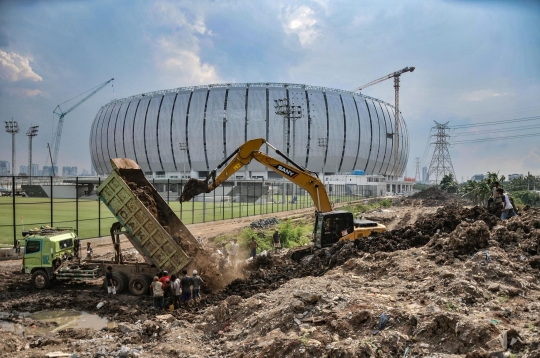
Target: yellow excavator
[331,225]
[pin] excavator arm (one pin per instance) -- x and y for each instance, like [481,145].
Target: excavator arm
[243,156]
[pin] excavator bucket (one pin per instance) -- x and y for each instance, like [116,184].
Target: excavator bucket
[193,188]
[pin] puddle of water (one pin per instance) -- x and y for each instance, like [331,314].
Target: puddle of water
[63,318]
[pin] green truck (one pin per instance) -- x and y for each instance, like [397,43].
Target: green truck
[54,253]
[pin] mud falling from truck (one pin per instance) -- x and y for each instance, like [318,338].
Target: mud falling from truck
[155,204]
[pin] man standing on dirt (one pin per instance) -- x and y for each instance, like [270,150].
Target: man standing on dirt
[234,252]
[277,240]
[111,289]
[253,246]
[494,194]
[157,292]
[508,209]
[185,285]
[196,281]
[177,292]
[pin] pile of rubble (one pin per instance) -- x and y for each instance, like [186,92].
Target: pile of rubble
[433,196]
[264,223]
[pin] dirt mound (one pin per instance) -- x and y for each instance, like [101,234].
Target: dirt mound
[434,196]
[469,238]
[192,188]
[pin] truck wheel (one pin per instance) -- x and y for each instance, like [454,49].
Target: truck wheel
[40,279]
[120,280]
[138,285]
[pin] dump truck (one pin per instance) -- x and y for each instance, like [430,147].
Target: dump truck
[54,253]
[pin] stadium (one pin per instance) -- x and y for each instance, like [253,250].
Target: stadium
[188,131]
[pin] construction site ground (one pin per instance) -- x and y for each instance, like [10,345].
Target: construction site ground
[453,281]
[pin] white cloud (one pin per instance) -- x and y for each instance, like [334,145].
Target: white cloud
[25,92]
[14,67]
[482,95]
[302,22]
[177,52]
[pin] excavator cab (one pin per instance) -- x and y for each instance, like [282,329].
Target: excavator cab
[332,226]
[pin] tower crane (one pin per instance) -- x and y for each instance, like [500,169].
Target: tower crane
[395,75]
[61,114]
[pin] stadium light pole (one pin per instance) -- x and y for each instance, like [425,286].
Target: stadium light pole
[323,143]
[183,148]
[12,127]
[31,133]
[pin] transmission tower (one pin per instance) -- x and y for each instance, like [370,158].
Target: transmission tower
[417,176]
[12,127]
[31,133]
[441,164]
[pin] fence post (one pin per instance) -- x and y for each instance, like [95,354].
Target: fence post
[77,205]
[13,183]
[99,210]
[52,201]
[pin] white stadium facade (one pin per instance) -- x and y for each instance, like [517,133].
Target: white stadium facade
[188,131]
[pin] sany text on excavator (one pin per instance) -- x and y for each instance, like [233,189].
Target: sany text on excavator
[330,226]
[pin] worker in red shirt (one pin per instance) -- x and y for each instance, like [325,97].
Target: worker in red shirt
[164,278]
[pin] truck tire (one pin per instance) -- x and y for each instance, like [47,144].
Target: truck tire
[40,279]
[138,285]
[120,280]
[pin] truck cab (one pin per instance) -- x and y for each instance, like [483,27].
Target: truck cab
[45,250]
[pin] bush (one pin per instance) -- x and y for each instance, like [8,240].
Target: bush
[293,235]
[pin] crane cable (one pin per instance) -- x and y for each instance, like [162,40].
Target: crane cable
[91,89]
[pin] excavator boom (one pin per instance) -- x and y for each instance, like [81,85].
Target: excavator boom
[243,156]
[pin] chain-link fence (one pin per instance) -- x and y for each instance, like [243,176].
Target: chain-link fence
[72,202]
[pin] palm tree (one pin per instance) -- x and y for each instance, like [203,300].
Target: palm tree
[480,191]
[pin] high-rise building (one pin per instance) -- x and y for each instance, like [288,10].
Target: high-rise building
[35,170]
[425,177]
[4,167]
[47,170]
[69,171]
[23,169]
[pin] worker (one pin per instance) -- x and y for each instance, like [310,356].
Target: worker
[196,281]
[277,240]
[171,292]
[89,251]
[111,288]
[185,285]
[508,209]
[177,291]
[164,278]
[253,246]
[234,252]
[494,194]
[157,292]
[224,256]
[17,247]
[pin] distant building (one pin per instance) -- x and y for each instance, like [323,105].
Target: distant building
[48,171]
[85,172]
[4,168]
[92,170]
[425,176]
[35,170]
[69,171]
[478,177]
[514,176]
[23,169]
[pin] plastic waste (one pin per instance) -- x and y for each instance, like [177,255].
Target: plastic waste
[99,305]
[383,321]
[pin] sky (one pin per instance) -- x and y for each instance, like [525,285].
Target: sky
[476,61]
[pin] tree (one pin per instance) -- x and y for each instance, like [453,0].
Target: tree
[448,183]
[479,192]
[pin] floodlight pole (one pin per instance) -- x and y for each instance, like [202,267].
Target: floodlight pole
[12,127]
[323,143]
[31,133]
[183,148]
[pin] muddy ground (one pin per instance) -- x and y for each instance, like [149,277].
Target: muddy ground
[453,281]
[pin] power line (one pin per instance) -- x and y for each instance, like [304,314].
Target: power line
[496,130]
[498,138]
[525,119]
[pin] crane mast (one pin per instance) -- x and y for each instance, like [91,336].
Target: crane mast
[394,75]
[61,114]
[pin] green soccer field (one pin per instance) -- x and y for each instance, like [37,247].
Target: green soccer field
[93,219]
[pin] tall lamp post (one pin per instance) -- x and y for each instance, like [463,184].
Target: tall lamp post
[31,133]
[184,148]
[323,143]
[12,127]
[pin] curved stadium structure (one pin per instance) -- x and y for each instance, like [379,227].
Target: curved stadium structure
[195,128]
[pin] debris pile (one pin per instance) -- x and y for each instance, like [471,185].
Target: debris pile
[433,196]
[264,223]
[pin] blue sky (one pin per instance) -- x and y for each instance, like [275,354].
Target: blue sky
[476,61]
